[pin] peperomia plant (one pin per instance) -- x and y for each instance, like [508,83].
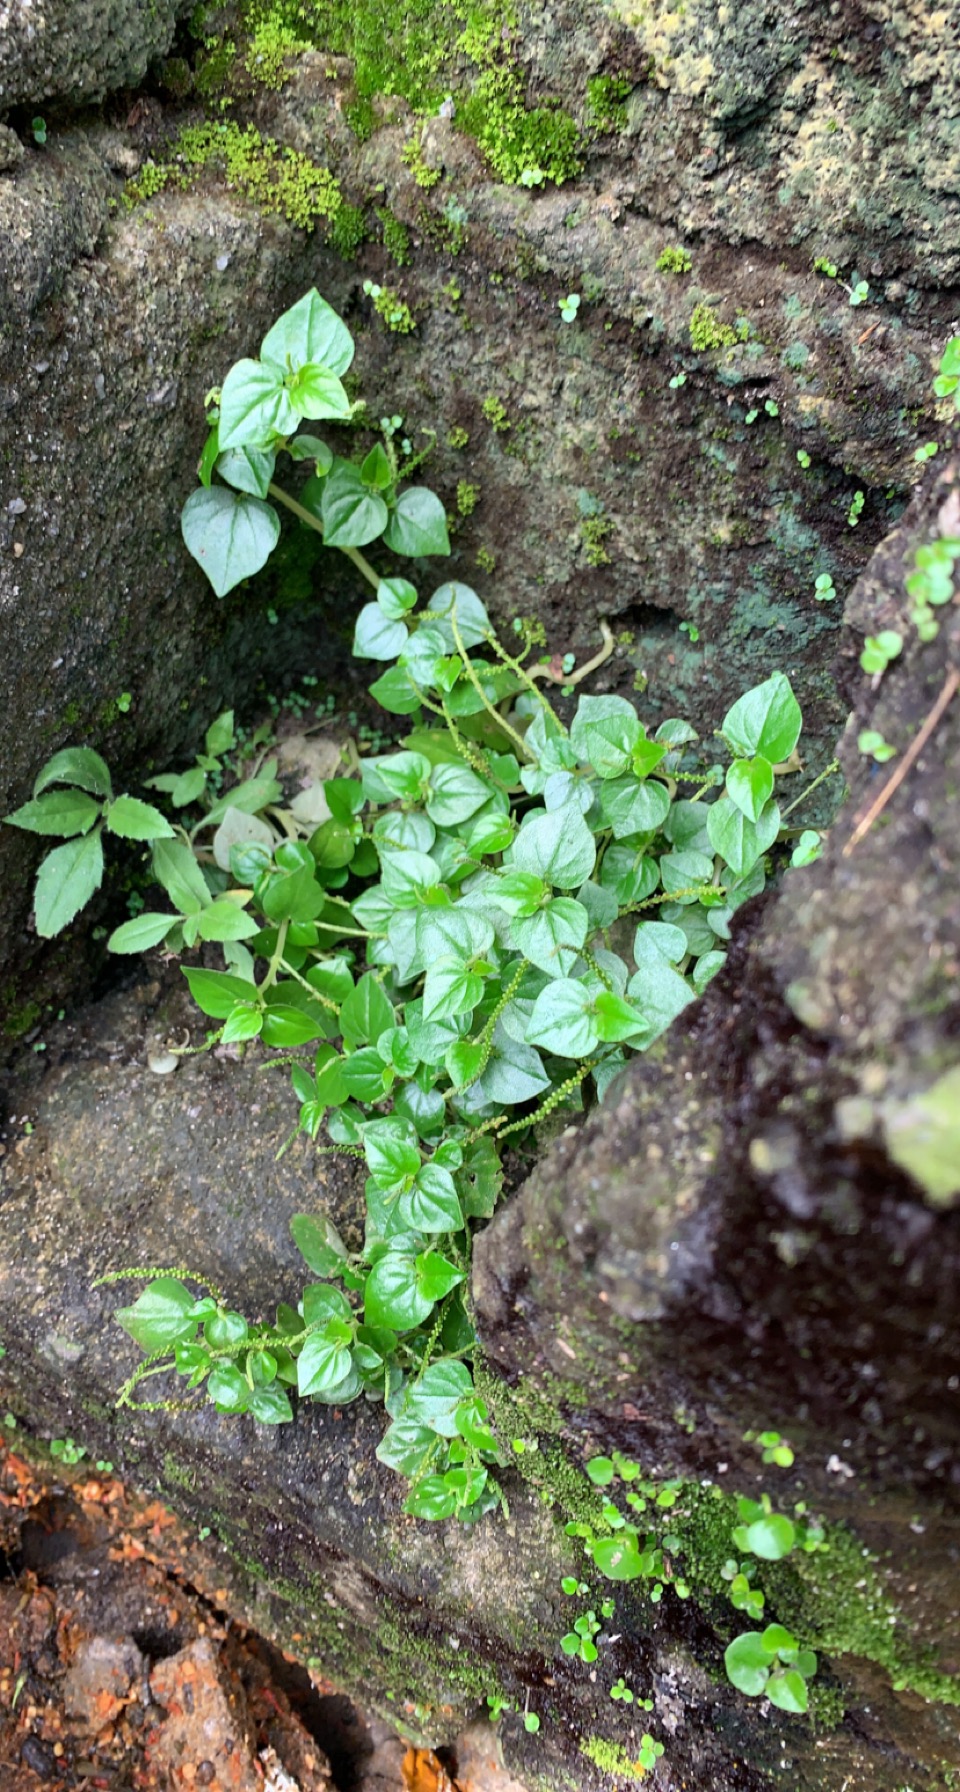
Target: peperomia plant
[474,932]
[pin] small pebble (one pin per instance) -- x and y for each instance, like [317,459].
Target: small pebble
[223,262]
[39,1758]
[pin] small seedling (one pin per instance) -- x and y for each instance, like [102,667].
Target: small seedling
[679,379]
[809,847]
[772,1664]
[38,127]
[859,292]
[579,1641]
[824,589]
[771,407]
[804,458]
[879,650]
[872,743]
[620,1690]
[856,505]
[63,1449]
[569,307]
[926,452]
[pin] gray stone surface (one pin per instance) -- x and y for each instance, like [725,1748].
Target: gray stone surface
[80,50]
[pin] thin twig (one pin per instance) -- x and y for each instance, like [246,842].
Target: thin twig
[609,643]
[909,758]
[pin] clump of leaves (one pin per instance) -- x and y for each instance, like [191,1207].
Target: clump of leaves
[469,936]
[771,1664]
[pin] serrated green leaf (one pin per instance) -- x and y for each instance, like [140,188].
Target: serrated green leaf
[61,813]
[75,765]
[141,933]
[175,867]
[216,992]
[131,819]
[66,880]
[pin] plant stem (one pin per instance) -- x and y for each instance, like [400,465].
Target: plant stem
[834,766]
[313,522]
[481,693]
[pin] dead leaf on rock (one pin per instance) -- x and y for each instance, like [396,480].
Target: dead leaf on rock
[422,1772]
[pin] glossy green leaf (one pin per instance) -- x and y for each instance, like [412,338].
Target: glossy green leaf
[352,514]
[248,470]
[317,1242]
[551,939]
[316,392]
[392,1295]
[228,1389]
[436,1276]
[396,597]
[450,989]
[632,807]
[433,1399]
[741,842]
[230,535]
[161,1316]
[473,623]
[765,720]
[432,1204]
[562,1020]
[418,524]
[750,785]
[322,1364]
[366,1012]
[748,1663]
[254,407]
[604,732]
[310,331]
[377,638]
[557,845]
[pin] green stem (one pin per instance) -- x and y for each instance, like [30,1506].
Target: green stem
[277,959]
[529,684]
[834,766]
[481,693]
[313,522]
